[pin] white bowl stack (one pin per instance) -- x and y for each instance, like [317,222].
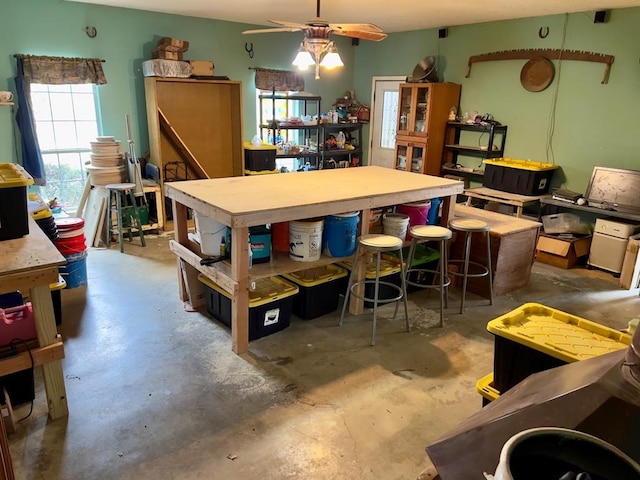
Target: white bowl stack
[107,162]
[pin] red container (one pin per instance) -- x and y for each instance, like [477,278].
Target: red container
[280,236]
[17,323]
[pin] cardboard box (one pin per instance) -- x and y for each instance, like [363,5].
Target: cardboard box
[201,68]
[163,54]
[630,274]
[182,45]
[562,252]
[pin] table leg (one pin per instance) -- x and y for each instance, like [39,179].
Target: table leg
[448,207]
[47,334]
[356,305]
[240,302]
[519,209]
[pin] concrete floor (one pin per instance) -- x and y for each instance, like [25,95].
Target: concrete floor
[155,392]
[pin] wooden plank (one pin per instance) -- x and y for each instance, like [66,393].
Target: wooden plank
[219,273]
[240,301]
[295,196]
[47,334]
[181,146]
[41,253]
[500,224]
[22,361]
[6,464]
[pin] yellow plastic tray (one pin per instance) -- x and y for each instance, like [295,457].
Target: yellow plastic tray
[317,275]
[484,388]
[556,333]
[267,290]
[13,175]
[521,164]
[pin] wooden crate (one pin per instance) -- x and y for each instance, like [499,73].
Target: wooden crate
[513,244]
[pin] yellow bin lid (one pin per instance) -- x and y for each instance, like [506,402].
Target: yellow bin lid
[264,146]
[388,266]
[41,214]
[14,175]
[267,290]
[559,334]
[520,164]
[317,275]
[484,388]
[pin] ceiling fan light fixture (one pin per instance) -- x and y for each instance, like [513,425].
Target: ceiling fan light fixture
[303,59]
[332,58]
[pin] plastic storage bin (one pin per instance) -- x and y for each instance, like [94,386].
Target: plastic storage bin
[524,177]
[389,272]
[14,219]
[270,305]
[258,158]
[485,387]
[319,290]
[424,257]
[17,323]
[533,338]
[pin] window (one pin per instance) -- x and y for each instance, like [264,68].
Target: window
[66,122]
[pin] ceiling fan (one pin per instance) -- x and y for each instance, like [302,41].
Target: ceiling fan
[316,36]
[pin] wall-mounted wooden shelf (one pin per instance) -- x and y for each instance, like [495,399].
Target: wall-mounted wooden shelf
[7,103]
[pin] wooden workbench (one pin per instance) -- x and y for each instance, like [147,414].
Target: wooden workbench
[513,248]
[242,202]
[505,198]
[30,264]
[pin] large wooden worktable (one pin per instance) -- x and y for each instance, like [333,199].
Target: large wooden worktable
[30,264]
[242,202]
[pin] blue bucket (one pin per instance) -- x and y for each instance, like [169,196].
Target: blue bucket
[75,271]
[432,218]
[340,232]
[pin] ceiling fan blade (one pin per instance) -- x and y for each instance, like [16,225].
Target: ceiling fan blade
[364,27]
[364,35]
[287,24]
[273,30]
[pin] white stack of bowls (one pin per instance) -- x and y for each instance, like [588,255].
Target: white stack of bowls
[107,161]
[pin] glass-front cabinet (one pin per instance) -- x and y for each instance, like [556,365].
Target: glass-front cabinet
[423,111]
[413,111]
[410,155]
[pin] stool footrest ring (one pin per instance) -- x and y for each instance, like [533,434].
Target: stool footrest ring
[380,300]
[436,273]
[481,270]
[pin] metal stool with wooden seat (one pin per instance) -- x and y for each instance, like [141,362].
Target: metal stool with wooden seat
[469,226]
[378,244]
[125,208]
[430,233]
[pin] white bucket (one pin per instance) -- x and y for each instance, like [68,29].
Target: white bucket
[305,240]
[549,452]
[395,224]
[211,234]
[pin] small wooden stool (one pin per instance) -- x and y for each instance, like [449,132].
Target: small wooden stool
[427,233]
[379,244]
[123,209]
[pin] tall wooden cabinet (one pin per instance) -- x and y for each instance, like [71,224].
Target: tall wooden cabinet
[423,111]
[195,129]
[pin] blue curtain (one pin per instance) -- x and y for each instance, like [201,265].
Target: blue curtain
[31,156]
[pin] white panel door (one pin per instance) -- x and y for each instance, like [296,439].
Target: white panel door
[383,121]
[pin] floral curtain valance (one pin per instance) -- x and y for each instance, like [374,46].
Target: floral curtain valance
[62,70]
[278,80]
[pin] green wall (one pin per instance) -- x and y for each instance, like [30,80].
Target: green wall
[125,39]
[593,123]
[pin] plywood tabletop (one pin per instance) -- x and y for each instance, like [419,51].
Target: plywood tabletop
[33,251]
[250,194]
[500,223]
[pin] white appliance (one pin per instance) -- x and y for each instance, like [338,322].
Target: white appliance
[609,244]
